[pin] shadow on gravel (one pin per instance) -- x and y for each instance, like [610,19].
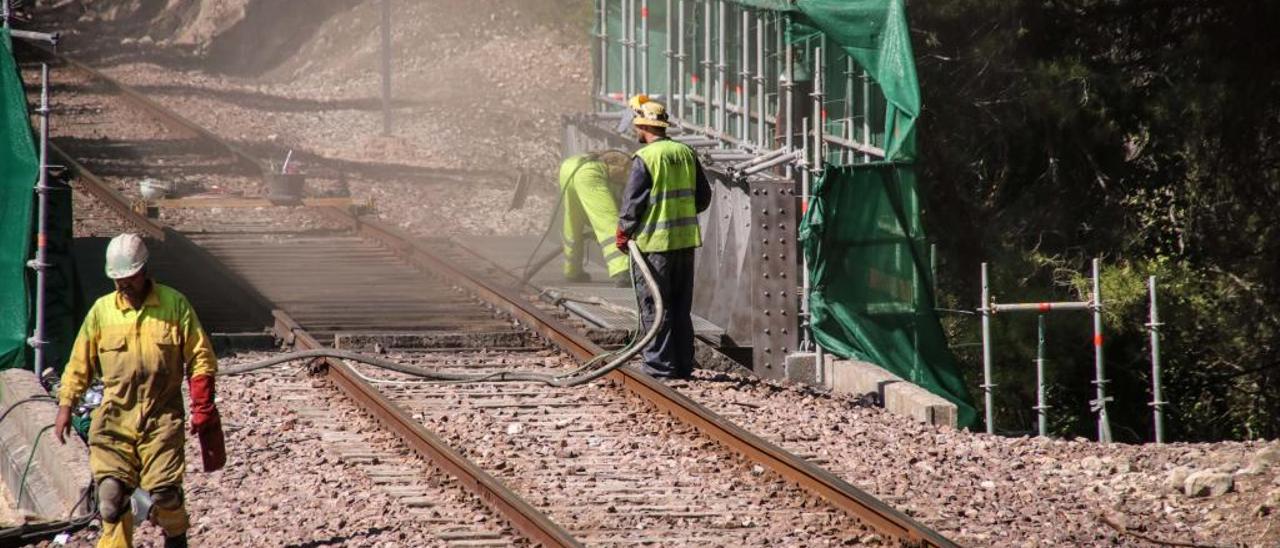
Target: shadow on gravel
[136,158]
[315,164]
[275,103]
[340,540]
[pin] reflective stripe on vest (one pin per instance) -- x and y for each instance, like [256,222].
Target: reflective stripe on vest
[671,220]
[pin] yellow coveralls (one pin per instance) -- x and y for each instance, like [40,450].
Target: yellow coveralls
[589,199]
[142,356]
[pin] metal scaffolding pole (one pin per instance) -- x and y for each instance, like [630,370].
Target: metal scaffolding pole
[1042,406]
[866,114]
[604,49]
[669,54]
[987,385]
[629,48]
[644,46]
[805,282]
[1157,397]
[847,154]
[744,79]
[708,103]
[41,262]
[788,89]
[4,12]
[721,67]
[818,117]
[1100,380]
[680,60]
[386,66]
[760,88]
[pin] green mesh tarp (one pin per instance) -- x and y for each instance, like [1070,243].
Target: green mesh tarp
[872,293]
[871,297]
[19,166]
[876,35]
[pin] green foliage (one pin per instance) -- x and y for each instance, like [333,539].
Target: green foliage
[1143,132]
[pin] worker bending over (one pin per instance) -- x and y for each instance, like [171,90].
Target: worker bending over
[590,184]
[141,340]
[660,204]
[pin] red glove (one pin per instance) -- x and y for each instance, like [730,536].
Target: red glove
[206,423]
[621,239]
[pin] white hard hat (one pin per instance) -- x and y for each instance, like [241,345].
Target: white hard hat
[126,255]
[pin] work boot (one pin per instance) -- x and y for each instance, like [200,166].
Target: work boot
[579,278]
[622,280]
[179,541]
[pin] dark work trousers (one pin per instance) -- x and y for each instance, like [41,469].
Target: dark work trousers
[670,353]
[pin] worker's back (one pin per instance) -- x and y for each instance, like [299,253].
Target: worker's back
[671,220]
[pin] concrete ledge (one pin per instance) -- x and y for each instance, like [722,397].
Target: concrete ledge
[904,398]
[862,379]
[59,473]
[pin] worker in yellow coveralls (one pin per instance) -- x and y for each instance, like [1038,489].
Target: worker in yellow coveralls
[590,184]
[142,340]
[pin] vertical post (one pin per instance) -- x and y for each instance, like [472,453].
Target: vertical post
[707,111]
[721,67]
[604,49]
[744,78]
[625,41]
[1100,380]
[1042,407]
[987,385]
[805,283]
[847,155]
[788,88]
[760,89]
[41,263]
[1157,397]
[866,113]
[4,12]
[644,46]
[680,60]
[669,53]
[386,66]
[818,118]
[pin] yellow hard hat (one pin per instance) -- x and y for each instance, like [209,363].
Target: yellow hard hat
[637,100]
[651,113]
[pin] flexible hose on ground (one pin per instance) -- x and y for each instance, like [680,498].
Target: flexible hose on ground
[582,375]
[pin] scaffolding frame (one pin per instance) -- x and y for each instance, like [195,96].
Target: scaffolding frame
[729,76]
[1093,305]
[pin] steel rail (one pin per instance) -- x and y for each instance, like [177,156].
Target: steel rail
[853,501]
[97,187]
[159,112]
[520,514]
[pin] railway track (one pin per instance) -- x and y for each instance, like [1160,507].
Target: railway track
[626,461]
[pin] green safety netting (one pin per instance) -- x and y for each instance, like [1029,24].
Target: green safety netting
[872,289]
[875,34]
[19,166]
[872,295]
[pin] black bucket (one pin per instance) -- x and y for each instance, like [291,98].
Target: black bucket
[286,188]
